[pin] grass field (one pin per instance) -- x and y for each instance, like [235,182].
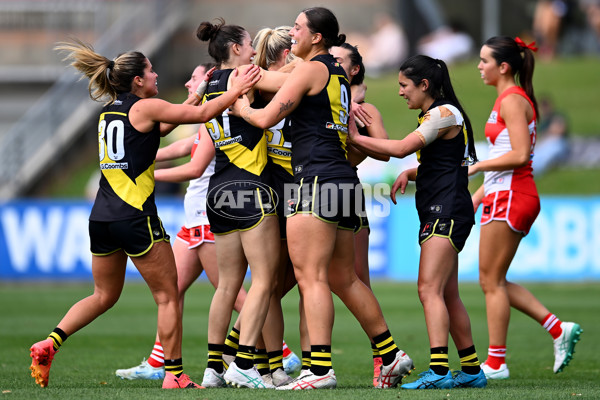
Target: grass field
[84,368]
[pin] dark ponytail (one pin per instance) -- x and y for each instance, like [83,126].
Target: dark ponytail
[420,67]
[520,59]
[220,37]
[322,20]
[355,60]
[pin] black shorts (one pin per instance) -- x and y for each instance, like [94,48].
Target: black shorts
[282,184]
[363,221]
[238,206]
[134,236]
[331,199]
[456,231]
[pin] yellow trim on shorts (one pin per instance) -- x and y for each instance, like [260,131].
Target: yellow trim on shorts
[152,237]
[106,254]
[442,236]
[312,204]
[262,209]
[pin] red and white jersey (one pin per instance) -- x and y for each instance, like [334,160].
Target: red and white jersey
[518,179]
[194,202]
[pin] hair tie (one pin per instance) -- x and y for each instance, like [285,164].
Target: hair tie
[530,46]
[111,64]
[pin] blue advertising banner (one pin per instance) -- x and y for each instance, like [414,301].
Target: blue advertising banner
[48,240]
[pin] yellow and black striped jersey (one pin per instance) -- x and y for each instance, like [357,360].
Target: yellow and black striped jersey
[240,148]
[320,127]
[127,159]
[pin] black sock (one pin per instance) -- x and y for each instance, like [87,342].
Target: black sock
[215,357]
[174,366]
[439,360]
[275,360]
[375,350]
[320,359]
[261,361]
[386,346]
[305,360]
[58,336]
[232,342]
[469,363]
[244,358]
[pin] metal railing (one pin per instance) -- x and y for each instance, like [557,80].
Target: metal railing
[39,138]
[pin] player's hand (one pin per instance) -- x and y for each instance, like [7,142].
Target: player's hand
[400,184]
[236,108]
[244,79]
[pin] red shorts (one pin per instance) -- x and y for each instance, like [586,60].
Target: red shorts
[519,210]
[195,236]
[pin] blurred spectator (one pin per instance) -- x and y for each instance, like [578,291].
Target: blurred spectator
[552,144]
[419,18]
[548,21]
[591,9]
[448,43]
[385,48]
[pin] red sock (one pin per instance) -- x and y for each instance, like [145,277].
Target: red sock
[552,325]
[496,356]
[286,350]
[157,357]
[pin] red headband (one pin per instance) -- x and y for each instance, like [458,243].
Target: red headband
[530,46]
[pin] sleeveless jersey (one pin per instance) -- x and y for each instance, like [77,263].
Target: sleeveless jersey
[194,202]
[320,127]
[127,164]
[442,176]
[240,148]
[279,145]
[518,179]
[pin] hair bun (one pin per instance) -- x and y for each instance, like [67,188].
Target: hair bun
[207,31]
[341,39]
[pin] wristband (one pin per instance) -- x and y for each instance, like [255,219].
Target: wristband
[201,89]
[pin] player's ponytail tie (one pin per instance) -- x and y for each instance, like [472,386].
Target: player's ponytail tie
[530,46]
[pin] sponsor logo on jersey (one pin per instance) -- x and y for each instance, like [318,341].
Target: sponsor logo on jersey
[118,103]
[336,127]
[123,165]
[279,152]
[227,142]
[493,117]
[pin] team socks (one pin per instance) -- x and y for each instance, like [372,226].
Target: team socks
[286,349]
[469,363]
[552,325]
[261,361]
[215,357]
[386,346]
[174,366]
[320,358]
[439,360]
[305,360]
[496,356]
[275,360]
[375,351]
[157,356]
[232,342]
[58,336]
[244,358]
